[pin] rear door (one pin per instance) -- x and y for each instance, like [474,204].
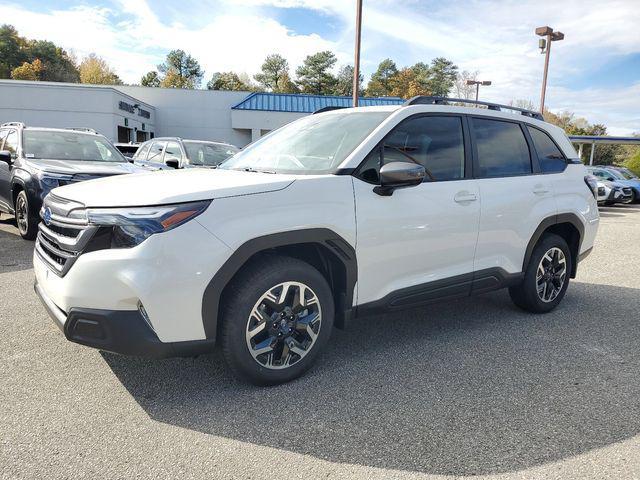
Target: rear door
[418,244]
[516,196]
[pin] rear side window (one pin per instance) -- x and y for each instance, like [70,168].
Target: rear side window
[549,155]
[502,148]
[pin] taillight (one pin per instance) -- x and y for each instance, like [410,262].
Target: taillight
[592,183]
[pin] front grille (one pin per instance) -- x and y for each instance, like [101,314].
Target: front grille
[626,191]
[81,177]
[62,239]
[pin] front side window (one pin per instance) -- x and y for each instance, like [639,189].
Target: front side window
[172,152]
[61,145]
[208,154]
[550,157]
[11,142]
[155,152]
[316,144]
[502,148]
[3,133]
[436,143]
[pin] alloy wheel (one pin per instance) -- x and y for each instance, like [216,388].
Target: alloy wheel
[551,274]
[283,325]
[22,215]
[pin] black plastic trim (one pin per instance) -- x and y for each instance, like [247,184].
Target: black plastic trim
[585,254]
[119,331]
[343,251]
[459,286]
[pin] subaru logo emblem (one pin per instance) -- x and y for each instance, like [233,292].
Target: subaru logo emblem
[46,216]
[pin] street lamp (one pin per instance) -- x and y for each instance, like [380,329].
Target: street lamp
[545,47]
[477,83]
[356,62]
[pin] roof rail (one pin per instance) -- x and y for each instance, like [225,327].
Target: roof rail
[82,129]
[13,124]
[427,100]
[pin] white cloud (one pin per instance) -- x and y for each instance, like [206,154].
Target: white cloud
[494,37]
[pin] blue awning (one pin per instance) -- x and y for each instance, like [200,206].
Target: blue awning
[301,103]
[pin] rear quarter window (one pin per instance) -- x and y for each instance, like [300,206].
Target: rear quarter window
[549,155]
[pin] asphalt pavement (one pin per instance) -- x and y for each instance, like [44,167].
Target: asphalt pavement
[473,387]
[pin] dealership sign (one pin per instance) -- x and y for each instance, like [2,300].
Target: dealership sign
[128,107]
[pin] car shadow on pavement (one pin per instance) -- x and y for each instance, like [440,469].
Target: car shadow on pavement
[468,387]
[15,252]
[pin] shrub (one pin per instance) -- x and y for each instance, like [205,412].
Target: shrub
[633,163]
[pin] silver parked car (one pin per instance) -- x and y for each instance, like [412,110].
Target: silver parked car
[174,152]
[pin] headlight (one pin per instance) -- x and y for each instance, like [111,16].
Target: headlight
[131,226]
[49,181]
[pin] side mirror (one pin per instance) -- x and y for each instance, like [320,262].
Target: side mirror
[399,175]
[5,156]
[173,163]
[611,179]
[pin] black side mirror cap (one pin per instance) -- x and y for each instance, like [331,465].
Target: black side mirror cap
[173,163]
[5,156]
[396,175]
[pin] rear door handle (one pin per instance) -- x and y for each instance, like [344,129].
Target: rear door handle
[540,190]
[465,197]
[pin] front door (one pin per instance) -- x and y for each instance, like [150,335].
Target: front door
[418,243]
[6,202]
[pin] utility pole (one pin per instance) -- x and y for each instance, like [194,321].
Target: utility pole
[545,47]
[477,83]
[356,63]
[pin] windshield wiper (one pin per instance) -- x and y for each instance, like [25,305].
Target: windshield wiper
[253,170]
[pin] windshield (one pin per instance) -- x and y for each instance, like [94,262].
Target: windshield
[208,154]
[315,144]
[627,174]
[68,145]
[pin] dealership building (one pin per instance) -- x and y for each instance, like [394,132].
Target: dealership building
[135,114]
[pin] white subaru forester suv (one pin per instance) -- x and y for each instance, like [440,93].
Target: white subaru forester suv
[336,215]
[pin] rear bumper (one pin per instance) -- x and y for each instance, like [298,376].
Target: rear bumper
[119,331]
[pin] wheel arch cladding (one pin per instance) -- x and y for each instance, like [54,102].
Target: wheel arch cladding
[565,225]
[322,248]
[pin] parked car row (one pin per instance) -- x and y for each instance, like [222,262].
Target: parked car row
[615,184]
[35,160]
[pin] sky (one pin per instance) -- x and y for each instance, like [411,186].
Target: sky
[594,71]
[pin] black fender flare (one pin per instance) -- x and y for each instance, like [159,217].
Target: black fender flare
[571,218]
[325,237]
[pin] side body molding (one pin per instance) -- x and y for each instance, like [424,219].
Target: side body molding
[571,218]
[319,237]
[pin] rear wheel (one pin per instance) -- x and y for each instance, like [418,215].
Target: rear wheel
[546,277]
[277,316]
[26,222]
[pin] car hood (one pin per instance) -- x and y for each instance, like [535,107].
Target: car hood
[74,167]
[171,186]
[629,183]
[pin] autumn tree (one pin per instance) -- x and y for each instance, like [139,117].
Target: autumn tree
[226,81]
[96,71]
[180,70]
[314,75]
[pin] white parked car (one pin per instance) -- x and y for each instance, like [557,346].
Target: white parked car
[336,215]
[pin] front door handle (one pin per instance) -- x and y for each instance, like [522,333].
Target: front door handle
[465,197]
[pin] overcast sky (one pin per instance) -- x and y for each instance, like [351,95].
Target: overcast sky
[594,72]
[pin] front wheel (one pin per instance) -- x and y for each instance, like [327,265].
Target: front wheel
[277,316]
[546,277]
[26,222]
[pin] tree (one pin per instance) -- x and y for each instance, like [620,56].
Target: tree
[633,163]
[28,71]
[523,103]
[180,70]
[442,76]
[286,85]
[57,64]
[410,82]
[150,79]
[344,81]
[314,75]
[12,53]
[96,71]
[380,84]
[462,90]
[273,72]
[226,81]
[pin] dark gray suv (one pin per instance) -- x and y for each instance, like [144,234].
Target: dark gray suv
[35,160]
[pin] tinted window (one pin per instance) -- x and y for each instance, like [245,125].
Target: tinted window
[502,148]
[141,154]
[11,142]
[155,153]
[551,158]
[437,143]
[172,152]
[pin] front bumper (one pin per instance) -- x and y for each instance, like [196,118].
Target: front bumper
[119,331]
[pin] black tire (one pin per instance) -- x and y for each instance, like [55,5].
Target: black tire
[26,222]
[525,295]
[244,293]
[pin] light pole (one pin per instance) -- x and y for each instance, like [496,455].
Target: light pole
[477,83]
[545,47]
[356,63]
